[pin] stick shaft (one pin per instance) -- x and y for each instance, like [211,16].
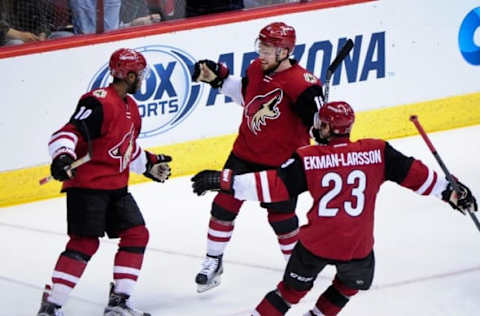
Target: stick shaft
[449,176]
[334,65]
[77,163]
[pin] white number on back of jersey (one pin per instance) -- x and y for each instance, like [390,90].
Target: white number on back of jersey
[318,102]
[357,192]
[83,113]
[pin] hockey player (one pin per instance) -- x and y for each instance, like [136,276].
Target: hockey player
[98,200]
[343,178]
[279,99]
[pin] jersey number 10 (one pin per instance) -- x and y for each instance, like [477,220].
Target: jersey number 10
[83,113]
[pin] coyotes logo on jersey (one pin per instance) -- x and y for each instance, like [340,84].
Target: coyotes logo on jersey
[123,150]
[261,108]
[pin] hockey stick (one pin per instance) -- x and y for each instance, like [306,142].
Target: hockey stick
[77,163]
[450,179]
[334,65]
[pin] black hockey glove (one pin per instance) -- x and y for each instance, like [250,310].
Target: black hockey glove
[157,167]
[466,202]
[212,180]
[60,167]
[210,72]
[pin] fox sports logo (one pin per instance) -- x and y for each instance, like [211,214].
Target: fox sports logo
[168,95]
[469,37]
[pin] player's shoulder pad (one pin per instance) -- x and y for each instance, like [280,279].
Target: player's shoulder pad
[254,67]
[310,94]
[308,150]
[310,78]
[306,76]
[90,101]
[100,93]
[373,142]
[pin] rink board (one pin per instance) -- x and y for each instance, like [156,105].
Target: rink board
[424,67]
[20,186]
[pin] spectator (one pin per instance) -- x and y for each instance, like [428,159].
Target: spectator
[168,9]
[31,21]
[84,15]
[260,3]
[10,36]
[136,13]
[144,20]
[201,7]
[132,9]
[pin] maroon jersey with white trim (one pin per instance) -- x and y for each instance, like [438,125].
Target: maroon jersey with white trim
[113,125]
[270,130]
[343,179]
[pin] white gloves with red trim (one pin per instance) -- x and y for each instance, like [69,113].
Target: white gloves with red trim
[157,167]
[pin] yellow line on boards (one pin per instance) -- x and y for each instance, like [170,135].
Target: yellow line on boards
[21,186]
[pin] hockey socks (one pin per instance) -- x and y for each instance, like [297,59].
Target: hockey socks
[286,229]
[219,234]
[70,266]
[129,259]
[225,209]
[335,297]
[272,305]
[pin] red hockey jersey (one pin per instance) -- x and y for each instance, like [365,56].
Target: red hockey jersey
[343,179]
[113,125]
[270,131]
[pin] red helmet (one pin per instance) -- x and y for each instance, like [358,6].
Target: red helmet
[338,115]
[125,60]
[278,34]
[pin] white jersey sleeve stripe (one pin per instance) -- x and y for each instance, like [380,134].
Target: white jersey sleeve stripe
[62,143]
[244,187]
[265,187]
[64,135]
[427,182]
[232,87]
[439,187]
[139,163]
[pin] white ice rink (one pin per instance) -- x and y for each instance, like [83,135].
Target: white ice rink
[428,256]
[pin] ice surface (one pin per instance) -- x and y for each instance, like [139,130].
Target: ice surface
[428,258]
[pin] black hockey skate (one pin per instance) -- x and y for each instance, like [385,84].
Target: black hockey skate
[209,275]
[117,305]
[47,308]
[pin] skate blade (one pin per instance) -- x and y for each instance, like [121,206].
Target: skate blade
[115,313]
[205,287]
[112,313]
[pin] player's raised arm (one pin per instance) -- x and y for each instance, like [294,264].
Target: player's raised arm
[415,175]
[217,75]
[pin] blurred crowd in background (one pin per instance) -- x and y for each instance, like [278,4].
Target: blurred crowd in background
[23,21]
